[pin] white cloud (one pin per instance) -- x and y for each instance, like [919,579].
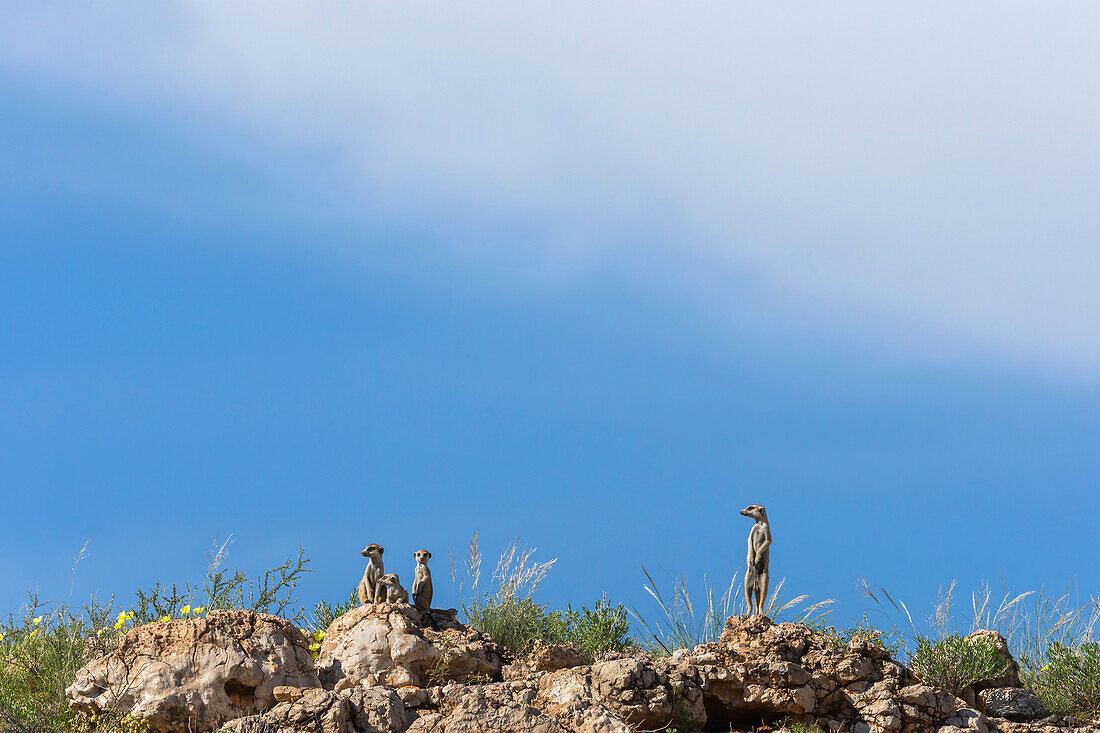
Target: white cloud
[887,170]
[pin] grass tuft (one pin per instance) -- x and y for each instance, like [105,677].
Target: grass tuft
[508,613]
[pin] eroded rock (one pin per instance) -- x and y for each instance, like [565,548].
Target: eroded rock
[374,710]
[390,644]
[502,706]
[1014,703]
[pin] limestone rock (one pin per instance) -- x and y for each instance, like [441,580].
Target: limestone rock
[374,710]
[491,707]
[389,644]
[630,693]
[544,658]
[194,674]
[1014,703]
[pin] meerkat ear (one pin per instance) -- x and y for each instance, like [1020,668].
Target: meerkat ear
[429,556]
[381,550]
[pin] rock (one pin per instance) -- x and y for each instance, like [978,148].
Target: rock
[490,707]
[1014,703]
[194,674]
[544,658]
[756,637]
[413,697]
[374,710]
[1011,678]
[387,644]
[640,693]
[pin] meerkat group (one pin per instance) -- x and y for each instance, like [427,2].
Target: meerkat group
[378,586]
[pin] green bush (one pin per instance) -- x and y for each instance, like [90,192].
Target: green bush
[508,613]
[600,630]
[1069,681]
[955,662]
[517,624]
[40,654]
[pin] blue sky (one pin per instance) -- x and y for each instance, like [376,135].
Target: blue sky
[597,279]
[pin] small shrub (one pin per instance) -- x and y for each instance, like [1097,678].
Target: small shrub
[508,613]
[597,631]
[838,639]
[517,624]
[40,654]
[955,662]
[1069,682]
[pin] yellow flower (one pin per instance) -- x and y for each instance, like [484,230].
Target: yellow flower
[314,646]
[118,624]
[33,633]
[319,635]
[37,620]
[1,637]
[185,610]
[199,609]
[166,618]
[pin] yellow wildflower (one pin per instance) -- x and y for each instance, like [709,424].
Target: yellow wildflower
[37,620]
[185,610]
[319,635]
[166,618]
[200,609]
[1,637]
[33,633]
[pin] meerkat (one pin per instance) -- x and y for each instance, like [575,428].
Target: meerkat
[756,576]
[422,581]
[394,592]
[371,589]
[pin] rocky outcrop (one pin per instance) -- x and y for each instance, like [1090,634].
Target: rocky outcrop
[380,665]
[193,675]
[395,645]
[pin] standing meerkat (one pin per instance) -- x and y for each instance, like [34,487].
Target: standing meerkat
[756,575]
[422,581]
[371,589]
[394,592]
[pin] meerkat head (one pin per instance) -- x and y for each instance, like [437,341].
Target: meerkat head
[422,556]
[373,551]
[388,579]
[755,511]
